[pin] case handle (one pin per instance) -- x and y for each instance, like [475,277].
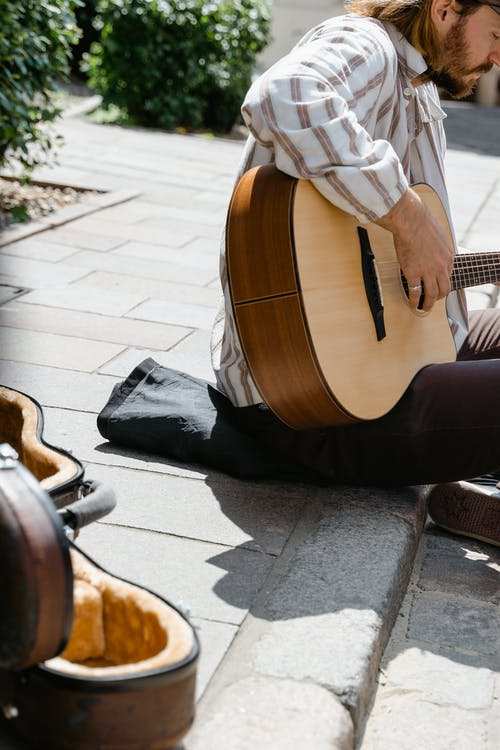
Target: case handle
[98,501]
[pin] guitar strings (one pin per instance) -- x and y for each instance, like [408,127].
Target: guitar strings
[469,269]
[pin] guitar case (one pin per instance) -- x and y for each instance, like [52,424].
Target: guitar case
[87,659]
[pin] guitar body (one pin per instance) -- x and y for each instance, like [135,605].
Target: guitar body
[301,302]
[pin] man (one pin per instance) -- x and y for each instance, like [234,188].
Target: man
[355,109]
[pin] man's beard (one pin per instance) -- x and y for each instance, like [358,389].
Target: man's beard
[453,74]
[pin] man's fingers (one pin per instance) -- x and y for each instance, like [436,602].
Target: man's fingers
[445,286]
[436,289]
[415,288]
[432,289]
[414,293]
[428,302]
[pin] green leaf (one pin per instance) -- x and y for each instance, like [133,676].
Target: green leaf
[148,59]
[19,214]
[35,39]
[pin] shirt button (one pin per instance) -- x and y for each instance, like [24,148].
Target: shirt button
[407,92]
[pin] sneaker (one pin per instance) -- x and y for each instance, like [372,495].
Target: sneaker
[468,508]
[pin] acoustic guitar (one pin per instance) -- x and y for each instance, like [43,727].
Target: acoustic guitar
[321,305]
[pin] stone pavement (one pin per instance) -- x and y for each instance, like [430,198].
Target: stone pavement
[439,682]
[294,589]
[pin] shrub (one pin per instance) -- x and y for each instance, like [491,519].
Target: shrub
[85,14]
[178,63]
[35,47]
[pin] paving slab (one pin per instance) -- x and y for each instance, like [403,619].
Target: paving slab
[406,721]
[483,240]
[489,212]
[181,196]
[87,299]
[51,386]
[472,129]
[472,573]
[198,253]
[158,288]
[169,233]
[65,352]
[467,208]
[467,624]
[494,718]
[165,227]
[83,240]
[38,249]
[195,178]
[181,570]
[89,325]
[142,210]
[170,272]
[112,174]
[16,232]
[442,680]
[202,247]
[10,292]
[191,354]
[219,509]
[174,313]
[478,299]
[34,273]
[172,167]
[131,213]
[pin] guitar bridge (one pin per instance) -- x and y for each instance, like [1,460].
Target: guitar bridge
[372,283]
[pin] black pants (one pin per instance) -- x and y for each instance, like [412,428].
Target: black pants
[444,428]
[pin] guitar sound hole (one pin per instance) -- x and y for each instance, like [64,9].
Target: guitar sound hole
[420,305]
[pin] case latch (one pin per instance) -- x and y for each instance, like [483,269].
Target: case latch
[8,456]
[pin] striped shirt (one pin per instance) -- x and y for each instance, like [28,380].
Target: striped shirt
[340,110]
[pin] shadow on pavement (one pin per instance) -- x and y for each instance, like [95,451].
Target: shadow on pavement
[470,127]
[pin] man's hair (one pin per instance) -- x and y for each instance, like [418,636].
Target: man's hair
[413,19]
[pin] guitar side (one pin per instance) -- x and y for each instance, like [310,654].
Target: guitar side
[301,307]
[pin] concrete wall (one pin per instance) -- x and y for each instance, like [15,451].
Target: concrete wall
[291,19]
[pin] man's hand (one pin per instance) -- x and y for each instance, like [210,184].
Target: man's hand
[424,252]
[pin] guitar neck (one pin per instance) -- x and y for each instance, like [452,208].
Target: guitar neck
[474,269]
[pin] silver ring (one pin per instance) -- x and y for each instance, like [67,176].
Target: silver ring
[416,288]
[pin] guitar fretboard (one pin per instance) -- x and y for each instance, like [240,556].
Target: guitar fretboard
[474,269]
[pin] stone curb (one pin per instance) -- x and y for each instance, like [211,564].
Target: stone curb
[322,621]
[85,107]
[272,713]
[67,213]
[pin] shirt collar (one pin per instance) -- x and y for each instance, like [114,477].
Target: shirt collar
[412,64]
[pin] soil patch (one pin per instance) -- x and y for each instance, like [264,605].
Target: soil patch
[21,202]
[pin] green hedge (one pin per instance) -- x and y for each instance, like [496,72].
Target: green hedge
[35,47]
[85,14]
[178,63]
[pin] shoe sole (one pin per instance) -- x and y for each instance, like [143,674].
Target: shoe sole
[463,509]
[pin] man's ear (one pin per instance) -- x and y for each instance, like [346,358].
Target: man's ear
[442,15]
